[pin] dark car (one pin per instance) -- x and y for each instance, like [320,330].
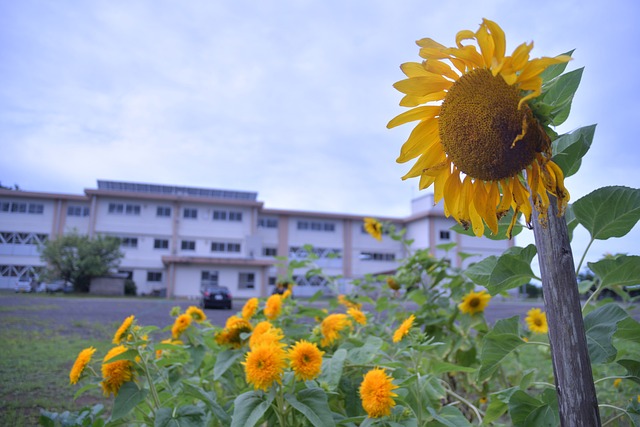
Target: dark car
[216,297]
[59,286]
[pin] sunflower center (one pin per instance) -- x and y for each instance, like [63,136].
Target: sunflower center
[482,130]
[474,302]
[537,321]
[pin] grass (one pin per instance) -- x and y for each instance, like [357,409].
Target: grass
[34,368]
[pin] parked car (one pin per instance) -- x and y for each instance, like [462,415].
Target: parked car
[216,297]
[24,284]
[58,286]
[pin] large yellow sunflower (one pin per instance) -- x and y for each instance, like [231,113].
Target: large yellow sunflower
[196,314]
[123,329]
[265,332]
[537,321]
[249,308]
[305,359]
[264,365]
[233,330]
[180,325]
[114,374]
[376,392]
[83,359]
[273,306]
[331,327]
[357,315]
[474,302]
[476,133]
[403,329]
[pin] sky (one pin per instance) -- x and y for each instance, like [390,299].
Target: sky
[287,98]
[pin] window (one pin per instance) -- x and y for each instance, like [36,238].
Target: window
[219,215]
[191,213]
[15,207]
[163,211]
[225,247]
[269,251]
[233,247]
[124,208]
[268,222]
[209,278]
[154,276]
[377,256]
[188,245]
[36,208]
[316,226]
[78,210]
[235,216]
[246,280]
[129,242]
[17,238]
[132,209]
[445,235]
[161,244]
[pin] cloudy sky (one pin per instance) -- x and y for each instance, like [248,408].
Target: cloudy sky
[288,98]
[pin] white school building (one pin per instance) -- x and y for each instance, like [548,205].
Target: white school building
[175,238]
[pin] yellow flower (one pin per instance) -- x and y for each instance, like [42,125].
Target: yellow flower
[83,359]
[474,302]
[249,308]
[306,360]
[114,374]
[476,132]
[123,329]
[483,400]
[273,306]
[286,294]
[170,341]
[196,314]
[343,300]
[180,325]
[616,382]
[357,315]
[233,330]
[265,332]
[373,227]
[264,365]
[403,329]
[376,392]
[331,327]
[537,321]
[392,283]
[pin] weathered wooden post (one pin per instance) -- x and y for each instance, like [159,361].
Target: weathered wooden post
[578,404]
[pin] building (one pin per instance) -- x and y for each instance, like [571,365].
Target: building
[177,238]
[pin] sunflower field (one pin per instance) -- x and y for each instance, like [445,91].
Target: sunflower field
[413,347]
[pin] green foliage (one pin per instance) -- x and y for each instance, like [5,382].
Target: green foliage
[77,258]
[608,211]
[569,149]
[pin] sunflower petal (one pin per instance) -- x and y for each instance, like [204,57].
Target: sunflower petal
[536,66]
[419,113]
[430,43]
[439,67]
[429,163]
[414,101]
[441,179]
[464,35]
[487,205]
[499,40]
[487,47]
[477,205]
[423,85]
[422,137]
[433,53]
[507,197]
[468,54]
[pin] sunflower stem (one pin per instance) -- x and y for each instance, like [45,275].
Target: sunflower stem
[577,401]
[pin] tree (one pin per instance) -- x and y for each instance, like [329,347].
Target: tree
[77,258]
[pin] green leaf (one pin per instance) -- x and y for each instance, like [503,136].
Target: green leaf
[570,219]
[224,361]
[600,325]
[450,416]
[620,271]
[439,367]
[609,211]
[209,398]
[129,396]
[494,411]
[558,94]
[480,272]
[629,329]
[313,404]
[184,416]
[633,368]
[446,246]
[526,410]
[497,344]
[503,226]
[570,148]
[554,70]
[364,354]
[332,369]
[249,408]
[512,270]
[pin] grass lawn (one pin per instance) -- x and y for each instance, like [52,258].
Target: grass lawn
[35,363]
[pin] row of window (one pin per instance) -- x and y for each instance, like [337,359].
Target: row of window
[74,210]
[185,245]
[17,238]
[316,225]
[19,270]
[245,280]
[22,207]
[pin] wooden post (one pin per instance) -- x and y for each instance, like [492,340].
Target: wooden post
[577,399]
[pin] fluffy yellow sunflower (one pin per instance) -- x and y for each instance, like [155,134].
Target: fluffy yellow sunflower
[357,315]
[83,359]
[474,302]
[537,321]
[250,307]
[331,327]
[476,133]
[196,314]
[376,392]
[123,329]
[114,374]
[373,227]
[180,325]
[305,359]
[273,306]
[403,329]
[265,332]
[343,300]
[233,330]
[264,365]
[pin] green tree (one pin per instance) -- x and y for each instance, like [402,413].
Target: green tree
[77,258]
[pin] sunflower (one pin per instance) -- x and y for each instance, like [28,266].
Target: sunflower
[373,227]
[403,329]
[537,321]
[123,329]
[265,332]
[392,283]
[249,308]
[180,325]
[114,374]
[83,359]
[286,294]
[343,300]
[357,315]
[331,327]
[168,341]
[474,302]
[305,359]
[273,306]
[264,365]
[476,132]
[196,314]
[233,330]
[376,392]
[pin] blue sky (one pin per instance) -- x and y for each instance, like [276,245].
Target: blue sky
[286,98]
